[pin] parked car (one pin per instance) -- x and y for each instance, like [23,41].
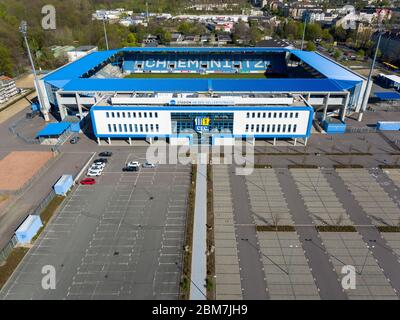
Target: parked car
[148,165]
[88,181]
[127,168]
[104,160]
[74,140]
[133,164]
[94,172]
[105,154]
[98,164]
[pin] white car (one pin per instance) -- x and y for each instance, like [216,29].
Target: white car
[149,165]
[98,164]
[133,164]
[94,172]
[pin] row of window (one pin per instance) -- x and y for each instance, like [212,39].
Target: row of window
[127,114]
[130,128]
[271,128]
[272,114]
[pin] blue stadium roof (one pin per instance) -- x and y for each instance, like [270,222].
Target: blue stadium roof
[204,85]
[326,66]
[388,95]
[53,129]
[69,77]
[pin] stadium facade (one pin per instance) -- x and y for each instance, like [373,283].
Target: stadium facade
[203,95]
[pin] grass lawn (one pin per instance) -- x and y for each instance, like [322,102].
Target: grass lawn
[198,76]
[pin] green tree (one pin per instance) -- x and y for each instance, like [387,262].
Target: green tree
[130,41]
[313,31]
[184,28]
[6,65]
[311,46]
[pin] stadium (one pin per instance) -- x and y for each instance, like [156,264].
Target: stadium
[203,95]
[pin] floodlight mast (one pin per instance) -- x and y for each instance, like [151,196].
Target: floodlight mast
[368,86]
[23,28]
[105,31]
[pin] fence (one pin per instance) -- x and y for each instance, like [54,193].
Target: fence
[360,130]
[4,252]
[13,130]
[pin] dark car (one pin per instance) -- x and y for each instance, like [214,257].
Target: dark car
[74,140]
[105,154]
[130,169]
[103,160]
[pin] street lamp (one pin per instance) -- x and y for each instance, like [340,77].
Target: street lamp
[369,84]
[23,28]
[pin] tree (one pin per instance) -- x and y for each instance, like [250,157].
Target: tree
[340,34]
[130,41]
[6,65]
[184,28]
[313,32]
[337,54]
[311,46]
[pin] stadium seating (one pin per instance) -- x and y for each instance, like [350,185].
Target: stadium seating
[274,63]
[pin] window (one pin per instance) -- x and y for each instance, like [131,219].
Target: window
[259,115]
[269,114]
[280,114]
[136,128]
[118,115]
[112,114]
[146,127]
[295,128]
[258,128]
[115,127]
[145,115]
[264,114]
[129,114]
[151,114]
[279,128]
[247,127]
[107,114]
[152,128]
[263,128]
[273,128]
[125,128]
[157,126]
[109,128]
[123,114]
[289,127]
[248,115]
[285,114]
[252,128]
[140,114]
[268,127]
[291,114]
[120,127]
[156,115]
[274,114]
[253,115]
[130,128]
[296,115]
[134,114]
[284,128]
[141,128]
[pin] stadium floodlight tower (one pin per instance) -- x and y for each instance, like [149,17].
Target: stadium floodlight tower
[368,86]
[105,31]
[23,28]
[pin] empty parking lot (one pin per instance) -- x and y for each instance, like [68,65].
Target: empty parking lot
[119,239]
